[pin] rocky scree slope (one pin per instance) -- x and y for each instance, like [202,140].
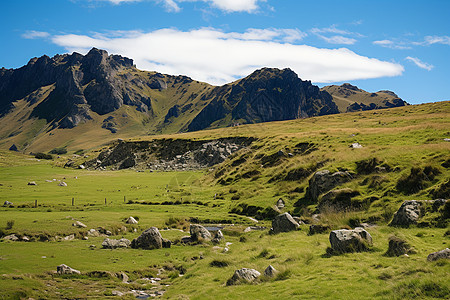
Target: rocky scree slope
[165,154]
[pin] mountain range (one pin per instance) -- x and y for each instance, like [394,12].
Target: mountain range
[80,101]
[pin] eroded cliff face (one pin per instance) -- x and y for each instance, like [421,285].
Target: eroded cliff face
[166,154]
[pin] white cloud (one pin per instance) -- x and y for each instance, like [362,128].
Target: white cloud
[218,57]
[236,5]
[420,64]
[225,5]
[121,1]
[391,44]
[430,40]
[31,34]
[338,39]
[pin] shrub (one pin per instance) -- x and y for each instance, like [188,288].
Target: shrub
[58,151]
[10,224]
[219,263]
[41,155]
[417,180]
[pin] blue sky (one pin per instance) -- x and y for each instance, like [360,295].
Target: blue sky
[403,46]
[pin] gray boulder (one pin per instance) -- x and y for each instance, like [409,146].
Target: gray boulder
[443,254]
[11,237]
[284,223]
[407,214]
[150,239]
[270,271]
[32,183]
[64,269]
[113,244]
[218,237]
[79,224]
[345,240]
[199,233]
[243,275]
[131,220]
[62,183]
[7,203]
[324,181]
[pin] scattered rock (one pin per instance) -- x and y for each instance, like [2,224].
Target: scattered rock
[117,293]
[11,237]
[186,239]
[270,271]
[283,223]
[82,167]
[25,238]
[243,275]
[7,203]
[355,240]
[79,224]
[131,220]
[218,237]
[407,214]
[324,181]
[398,247]
[32,183]
[62,183]
[113,244]
[443,254]
[252,228]
[150,239]
[317,229]
[124,276]
[280,203]
[64,269]
[356,146]
[199,233]
[69,237]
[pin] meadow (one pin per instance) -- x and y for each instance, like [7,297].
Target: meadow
[401,138]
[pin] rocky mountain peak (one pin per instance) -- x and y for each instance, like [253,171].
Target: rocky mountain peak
[348,86]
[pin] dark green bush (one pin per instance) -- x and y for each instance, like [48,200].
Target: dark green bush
[41,155]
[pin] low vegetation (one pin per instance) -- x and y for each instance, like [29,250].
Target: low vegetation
[404,157]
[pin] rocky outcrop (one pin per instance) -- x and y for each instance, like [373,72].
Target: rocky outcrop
[199,233]
[65,269]
[324,181]
[284,223]
[407,214]
[168,154]
[443,254]
[113,244]
[150,239]
[345,240]
[243,275]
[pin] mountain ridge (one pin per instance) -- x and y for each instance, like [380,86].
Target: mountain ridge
[101,94]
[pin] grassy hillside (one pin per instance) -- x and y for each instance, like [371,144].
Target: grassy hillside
[394,140]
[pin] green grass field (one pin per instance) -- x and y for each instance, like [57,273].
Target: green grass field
[402,138]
